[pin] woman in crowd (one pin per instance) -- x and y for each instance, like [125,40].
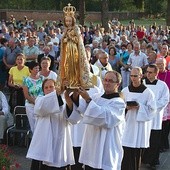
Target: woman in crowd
[15,81]
[125,69]
[32,88]
[114,58]
[53,147]
[45,71]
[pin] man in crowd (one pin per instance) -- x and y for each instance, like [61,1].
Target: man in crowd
[152,57]
[137,58]
[31,51]
[10,54]
[103,64]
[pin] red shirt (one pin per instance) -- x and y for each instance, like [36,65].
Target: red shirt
[140,35]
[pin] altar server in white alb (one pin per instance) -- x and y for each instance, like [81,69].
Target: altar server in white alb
[141,108]
[51,142]
[103,115]
[161,91]
[77,130]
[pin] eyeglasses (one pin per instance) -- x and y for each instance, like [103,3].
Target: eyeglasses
[134,75]
[150,72]
[109,80]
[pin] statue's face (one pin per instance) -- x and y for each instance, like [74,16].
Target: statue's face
[68,21]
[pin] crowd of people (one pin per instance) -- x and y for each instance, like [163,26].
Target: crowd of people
[121,121]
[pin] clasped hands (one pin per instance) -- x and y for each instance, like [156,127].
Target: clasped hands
[76,92]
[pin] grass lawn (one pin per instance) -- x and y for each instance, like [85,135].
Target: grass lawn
[142,21]
[146,22]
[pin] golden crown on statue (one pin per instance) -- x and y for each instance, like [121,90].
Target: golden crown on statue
[69,10]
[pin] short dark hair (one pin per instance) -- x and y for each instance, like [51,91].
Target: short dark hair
[130,44]
[32,64]
[124,45]
[150,46]
[154,66]
[114,48]
[3,41]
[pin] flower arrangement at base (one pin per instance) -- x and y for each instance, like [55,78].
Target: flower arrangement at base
[7,162]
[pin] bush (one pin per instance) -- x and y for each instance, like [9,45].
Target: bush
[7,162]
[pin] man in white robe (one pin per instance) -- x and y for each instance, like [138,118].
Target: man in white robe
[77,130]
[161,91]
[103,115]
[103,64]
[141,107]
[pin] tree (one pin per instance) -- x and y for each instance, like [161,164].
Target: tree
[168,14]
[140,4]
[104,13]
[81,11]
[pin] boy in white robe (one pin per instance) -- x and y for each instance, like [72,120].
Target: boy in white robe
[161,91]
[141,107]
[104,118]
[51,141]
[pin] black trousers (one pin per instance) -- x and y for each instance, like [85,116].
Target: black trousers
[165,134]
[45,167]
[16,98]
[151,154]
[77,165]
[37,165]
[90,168]
[131,159]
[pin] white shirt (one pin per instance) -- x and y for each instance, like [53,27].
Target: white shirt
[139,60]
